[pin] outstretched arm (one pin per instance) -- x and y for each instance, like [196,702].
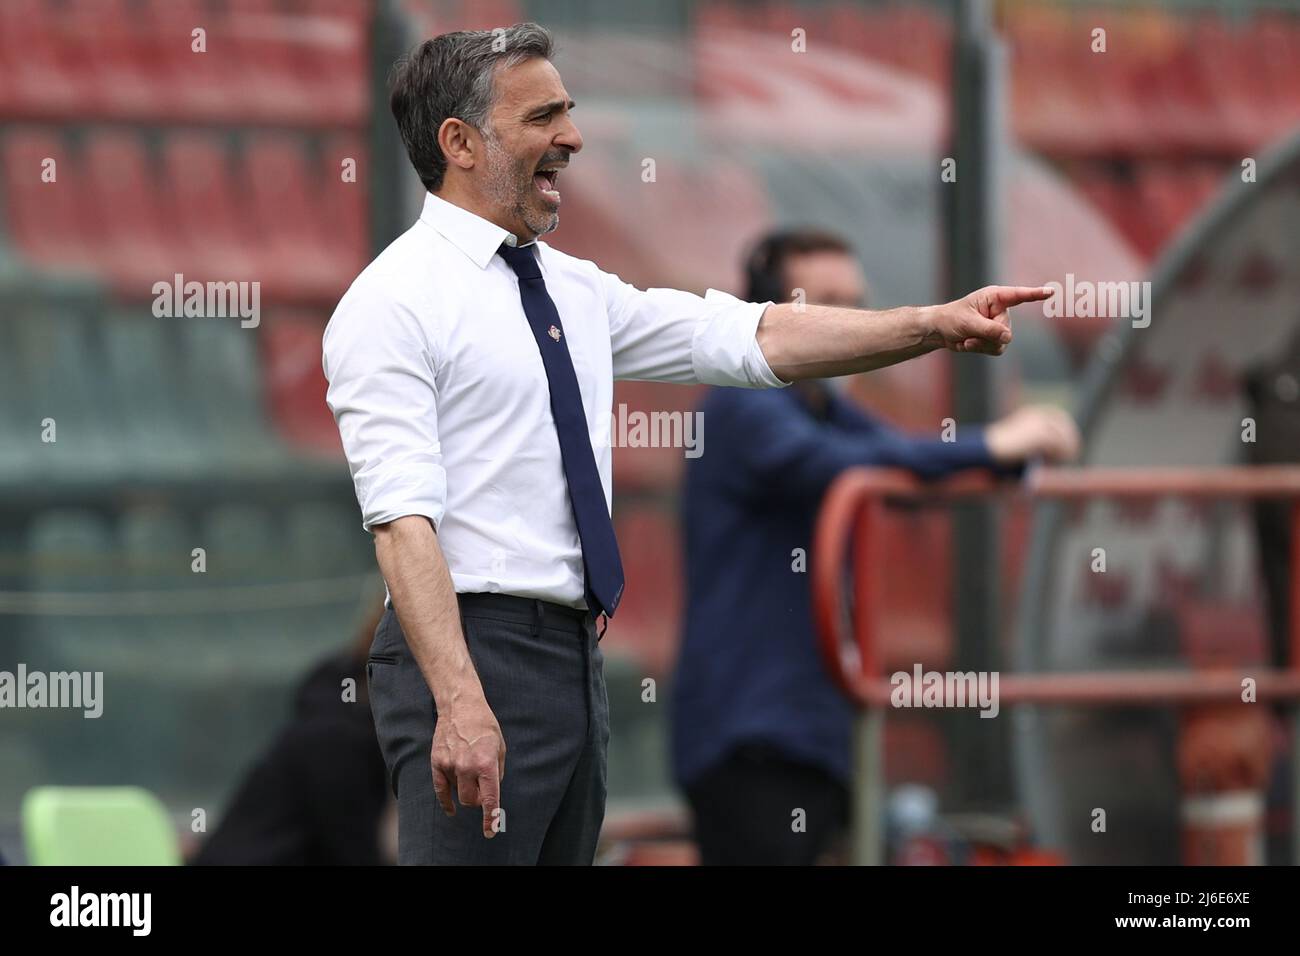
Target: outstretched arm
[817,341]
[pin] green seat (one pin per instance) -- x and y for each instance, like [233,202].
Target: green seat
[324,540]
[222,370]
[141,363]
[70,550]
[244,548]
[19,434]
[97,826]
[155,543]
[638,766]
[58,367]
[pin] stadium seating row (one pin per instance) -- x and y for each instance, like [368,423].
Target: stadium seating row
[184,395]
[911,37]
[1147,129]
[138,209]
[262,61]
[1155,201]
[1169,81]
[259,566]
[1165,84]
[192,672]
[148,546]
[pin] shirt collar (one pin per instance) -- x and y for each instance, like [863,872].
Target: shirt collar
[471,234]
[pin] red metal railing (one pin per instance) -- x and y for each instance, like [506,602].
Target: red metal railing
[850,516]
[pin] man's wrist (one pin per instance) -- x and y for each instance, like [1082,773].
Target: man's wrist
[453,681]
[458,692]
[925,326]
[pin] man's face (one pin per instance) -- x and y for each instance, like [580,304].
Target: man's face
[827,278]
[530,136]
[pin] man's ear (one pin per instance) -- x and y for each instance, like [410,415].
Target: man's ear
[459,142]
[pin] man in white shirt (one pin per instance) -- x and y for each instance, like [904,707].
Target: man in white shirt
[471,371]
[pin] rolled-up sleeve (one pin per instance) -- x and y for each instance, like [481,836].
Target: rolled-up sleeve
[384,396]
[666,335]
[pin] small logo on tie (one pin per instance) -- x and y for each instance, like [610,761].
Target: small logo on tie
[554,333]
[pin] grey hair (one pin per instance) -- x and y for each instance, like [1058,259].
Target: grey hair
[453,75]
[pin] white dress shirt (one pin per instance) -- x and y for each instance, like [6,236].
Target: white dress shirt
[442,401]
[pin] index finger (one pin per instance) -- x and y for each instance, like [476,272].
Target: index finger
[1013,295]
[489,792]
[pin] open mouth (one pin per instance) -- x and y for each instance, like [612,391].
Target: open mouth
[544,180]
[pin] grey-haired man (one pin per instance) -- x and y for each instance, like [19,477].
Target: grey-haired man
[471,371]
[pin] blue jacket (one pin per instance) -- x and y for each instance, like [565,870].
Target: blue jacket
[749,668]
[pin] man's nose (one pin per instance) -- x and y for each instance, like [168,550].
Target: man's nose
[568,137]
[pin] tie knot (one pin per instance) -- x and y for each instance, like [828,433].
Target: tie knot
[523,261]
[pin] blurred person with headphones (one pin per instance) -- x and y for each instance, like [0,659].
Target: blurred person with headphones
[758,729]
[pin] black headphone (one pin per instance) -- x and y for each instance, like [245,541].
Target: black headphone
[765,269]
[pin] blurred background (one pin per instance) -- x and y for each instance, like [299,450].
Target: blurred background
[271,156]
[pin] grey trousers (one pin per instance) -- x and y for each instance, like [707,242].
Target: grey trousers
[542,673]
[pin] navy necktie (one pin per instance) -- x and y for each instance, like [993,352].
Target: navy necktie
[604,568]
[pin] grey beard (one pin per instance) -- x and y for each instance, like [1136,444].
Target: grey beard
[540,228]
[503,190]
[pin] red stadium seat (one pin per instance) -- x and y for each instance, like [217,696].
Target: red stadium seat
[331,63]
[648,619]
[1196,97]
[268,43]
[117,60]
[210,86]
[284,188]
[212,213]
[295,383]
[1275,43]
[40,73]
[306,61]
[1118,200]
[138,241]
[1226,65]
[45,220]
[1046,105]
[922,39]
[344,204]
[133,59]
[1171,194]
[357,11]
